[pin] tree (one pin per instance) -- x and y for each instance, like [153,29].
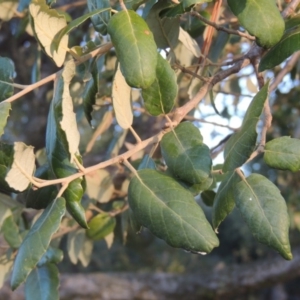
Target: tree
[154,62]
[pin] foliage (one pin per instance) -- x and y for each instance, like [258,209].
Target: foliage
[145,66]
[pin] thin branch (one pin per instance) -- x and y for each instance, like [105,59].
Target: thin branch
[98,52]
[290,9]
[71,5]
[187,71]
[286,69]
[221,28]
[191,118]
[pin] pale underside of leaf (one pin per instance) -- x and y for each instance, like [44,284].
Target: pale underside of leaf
[121,94]
[68,122]
[7,9]
[189,42]
[47,23]
[22,167]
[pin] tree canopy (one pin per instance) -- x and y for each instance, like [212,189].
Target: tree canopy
[137,86]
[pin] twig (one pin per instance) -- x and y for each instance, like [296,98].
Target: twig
[98,52]
[71,5]
[222,28]
[191,118]
[290,9]
[286,69]
[187,71]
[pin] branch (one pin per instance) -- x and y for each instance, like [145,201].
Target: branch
[221,28]
[290,9]
[227,283]
[286,69]
[98,52]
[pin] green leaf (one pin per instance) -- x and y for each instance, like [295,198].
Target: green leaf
[40,198]
[37,241]
[265,212]
[100,20]
[6,160]
[23,161]
[52,255]
[165,30]
[185,154]
[260,18]
[10,232]
[62,142]
[242,143]
[100,226]
[289,44]
[292,22]
[208,197]
[224,200]
[135,48]
[46,24]
[6,264]
[89,95]
[42,283]
[170,212]
[7,70]
[5,107]
[121,96]
[283,153]
[62,33]
[160,97]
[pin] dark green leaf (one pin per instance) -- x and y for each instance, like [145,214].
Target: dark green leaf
[40,198]
[283,153]
[37,241]
[73,24]
[100,226]
[242,143]
[6,160]
[160,97]
[289,44]
[165,30]
[208,197]
[42,283]
[100,20]
[52,255]
[7,70]
[134,42]
[10,232]
[224,200]
[91,89]
[292,22]
[185,154]
[265,212]
[5,107]
[162,205]
[261,18]
[59,149]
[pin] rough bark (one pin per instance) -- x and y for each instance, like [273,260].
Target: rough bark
[215,284]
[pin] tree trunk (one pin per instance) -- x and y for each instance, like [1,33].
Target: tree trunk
[215,284]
